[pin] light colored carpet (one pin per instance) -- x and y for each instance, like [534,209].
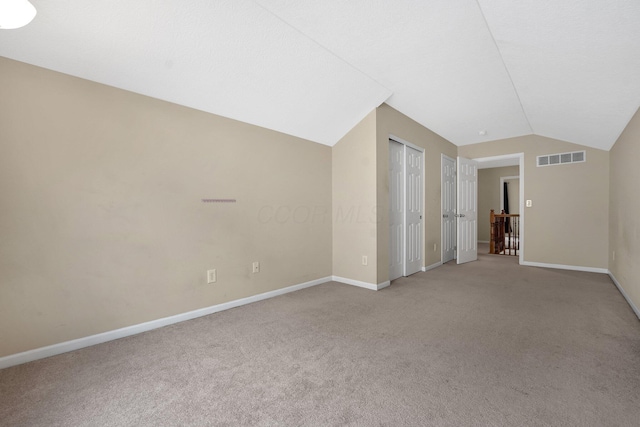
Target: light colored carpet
[486,343]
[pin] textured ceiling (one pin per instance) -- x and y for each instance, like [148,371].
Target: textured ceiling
[566,69]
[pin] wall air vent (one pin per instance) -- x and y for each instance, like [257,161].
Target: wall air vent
[562,158]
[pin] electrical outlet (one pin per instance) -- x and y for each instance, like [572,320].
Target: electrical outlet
[211,276]
[256,267]
[365,261]
[529,203]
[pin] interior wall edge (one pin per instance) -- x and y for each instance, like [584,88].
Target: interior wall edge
[361,284]
[635,309]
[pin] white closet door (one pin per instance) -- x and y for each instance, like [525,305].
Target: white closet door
[414,176]
[396,210]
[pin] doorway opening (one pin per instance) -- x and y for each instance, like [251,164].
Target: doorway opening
[494,173]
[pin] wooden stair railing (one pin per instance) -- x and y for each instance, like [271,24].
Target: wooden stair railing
[505,233]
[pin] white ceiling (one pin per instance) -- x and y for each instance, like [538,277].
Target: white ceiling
[566,69]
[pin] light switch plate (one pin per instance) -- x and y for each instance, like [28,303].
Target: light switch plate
[211,276]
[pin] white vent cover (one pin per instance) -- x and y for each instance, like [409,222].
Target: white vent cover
[562,158]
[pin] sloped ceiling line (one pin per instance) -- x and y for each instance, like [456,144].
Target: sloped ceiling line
[365,109]
[575,64]
[302,33]
[506,69]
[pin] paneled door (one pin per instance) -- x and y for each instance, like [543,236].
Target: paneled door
[467,230]
[406,200]
[414,178]
[396,210]
[448,209]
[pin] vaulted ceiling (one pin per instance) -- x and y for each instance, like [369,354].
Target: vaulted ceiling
[470,70]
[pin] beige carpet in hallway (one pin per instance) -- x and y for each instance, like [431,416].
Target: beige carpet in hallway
[486,343]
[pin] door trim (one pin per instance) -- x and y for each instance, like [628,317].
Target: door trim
[407,143]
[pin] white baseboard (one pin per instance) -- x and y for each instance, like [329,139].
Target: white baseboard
[360,284]
[432,266]
[483,241]
[565,267]
[384,284]
[64,347]
[624,294]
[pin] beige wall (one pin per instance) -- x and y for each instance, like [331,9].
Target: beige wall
[103,226]
[392,122]
[624,223]
[101,220]
[489,196]
[354,203]
[361,193]
[568,222]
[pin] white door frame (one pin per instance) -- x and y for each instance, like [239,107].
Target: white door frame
[407,143]
[422,221]
[520,158]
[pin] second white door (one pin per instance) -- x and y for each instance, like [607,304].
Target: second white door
[448,209]
[467,230]
[413,212]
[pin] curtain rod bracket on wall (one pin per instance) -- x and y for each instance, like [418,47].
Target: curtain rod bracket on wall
[218,200]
